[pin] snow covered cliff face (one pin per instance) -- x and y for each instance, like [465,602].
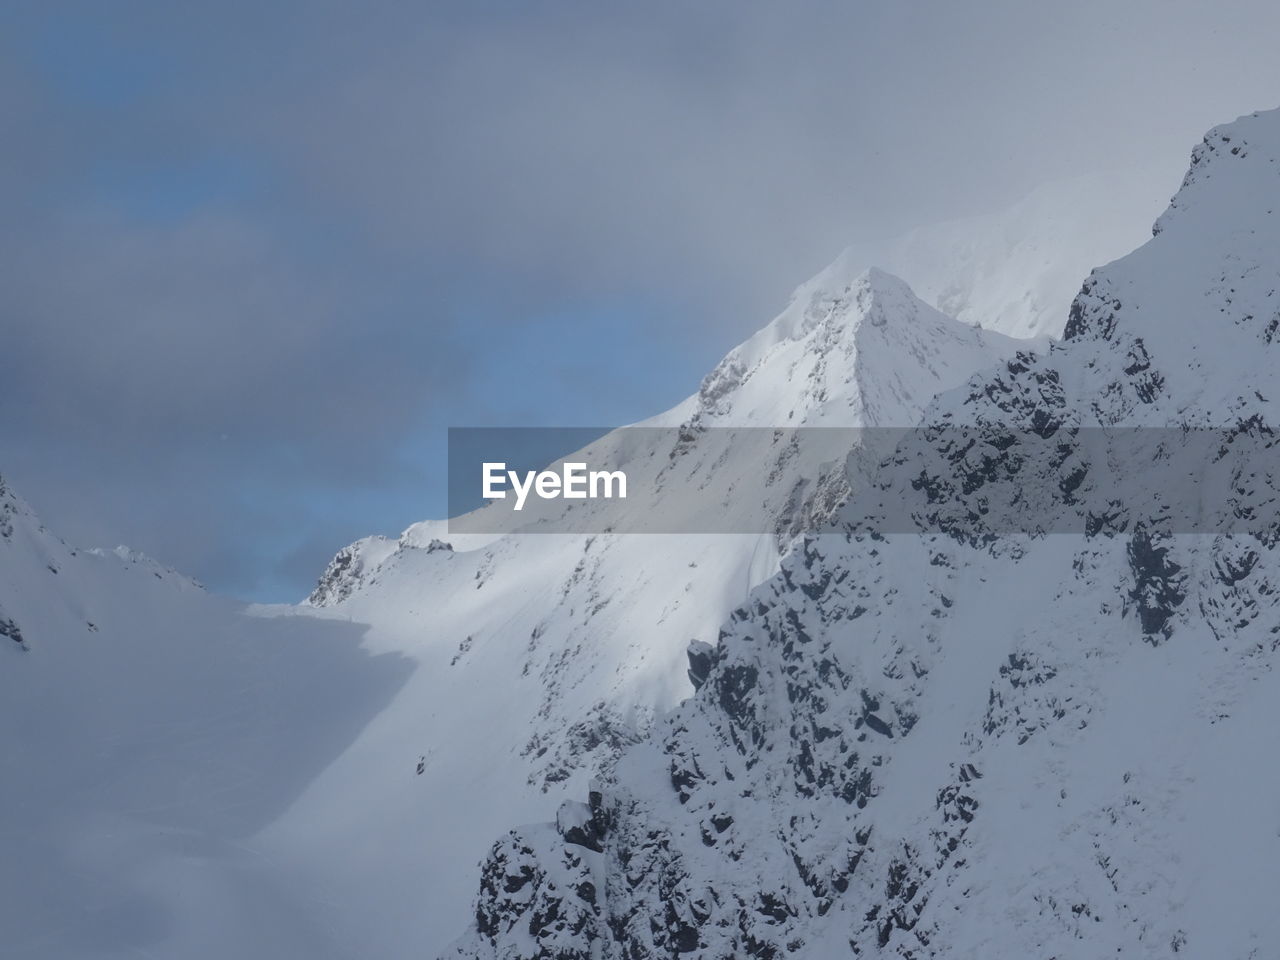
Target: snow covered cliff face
[541,657]
[962,742]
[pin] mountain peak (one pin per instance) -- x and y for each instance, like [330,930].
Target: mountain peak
[1231,168]
[827,300]
[1016,269]
[1200,297]
[845,354]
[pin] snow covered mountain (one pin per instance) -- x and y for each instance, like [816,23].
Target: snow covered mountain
[1016,270]
[540,657]
[965,741]
[147,731]
[191,777]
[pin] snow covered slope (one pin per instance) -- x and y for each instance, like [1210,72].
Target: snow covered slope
[1016,270]
[964,742]
[147,731]
[539,657]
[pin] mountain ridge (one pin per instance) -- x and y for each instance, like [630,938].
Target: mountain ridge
[570,646]
[269,767]
[960,742]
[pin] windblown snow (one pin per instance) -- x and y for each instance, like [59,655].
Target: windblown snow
[1017,270]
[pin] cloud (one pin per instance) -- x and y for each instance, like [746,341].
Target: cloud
[257,256]
[738,145]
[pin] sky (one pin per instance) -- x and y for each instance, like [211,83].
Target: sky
[257,258]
